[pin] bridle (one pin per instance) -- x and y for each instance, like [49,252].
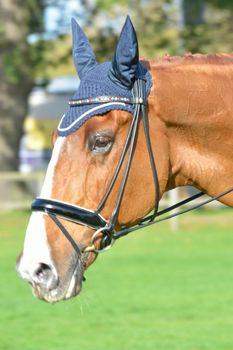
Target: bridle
[94,219]
[105,229]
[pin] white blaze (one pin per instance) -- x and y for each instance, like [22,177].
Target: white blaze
[48,182]
[36,248]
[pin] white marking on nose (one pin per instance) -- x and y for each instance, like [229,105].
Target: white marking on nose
[48,182]
[36,247]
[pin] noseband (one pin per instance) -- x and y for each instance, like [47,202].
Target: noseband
[105,229]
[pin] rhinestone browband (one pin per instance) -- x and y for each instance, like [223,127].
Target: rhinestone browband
[105,99]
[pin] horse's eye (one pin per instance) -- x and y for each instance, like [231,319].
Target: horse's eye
[100,144]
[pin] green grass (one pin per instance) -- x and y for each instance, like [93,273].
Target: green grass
[155,290]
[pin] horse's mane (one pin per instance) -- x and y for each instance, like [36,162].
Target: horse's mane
[189,58]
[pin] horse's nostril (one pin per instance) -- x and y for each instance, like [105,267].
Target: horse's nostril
[45,277]
[43,271]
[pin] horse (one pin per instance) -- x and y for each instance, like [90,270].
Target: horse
[177,111]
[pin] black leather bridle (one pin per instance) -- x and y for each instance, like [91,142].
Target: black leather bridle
[105,229]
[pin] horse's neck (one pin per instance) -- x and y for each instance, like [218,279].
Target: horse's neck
[195,102]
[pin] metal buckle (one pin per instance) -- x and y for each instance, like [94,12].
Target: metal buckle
[92,247]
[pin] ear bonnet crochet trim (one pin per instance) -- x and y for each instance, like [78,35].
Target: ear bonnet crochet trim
[111,79]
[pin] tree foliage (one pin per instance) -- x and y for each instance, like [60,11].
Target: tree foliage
[156,23]
[17,19]
[215,33]
[163,27]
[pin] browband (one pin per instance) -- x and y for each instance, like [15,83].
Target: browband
[105,99]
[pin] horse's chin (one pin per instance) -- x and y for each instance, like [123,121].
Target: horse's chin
[65,289]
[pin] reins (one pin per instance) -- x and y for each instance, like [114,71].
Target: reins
[106,229]
[126,231]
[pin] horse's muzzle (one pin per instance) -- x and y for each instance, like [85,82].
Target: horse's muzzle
[47,285]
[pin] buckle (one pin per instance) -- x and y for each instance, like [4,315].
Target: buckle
[107,241]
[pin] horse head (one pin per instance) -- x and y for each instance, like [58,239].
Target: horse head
[86,161]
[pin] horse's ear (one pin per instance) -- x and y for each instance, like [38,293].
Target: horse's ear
[84,58]
[126,57]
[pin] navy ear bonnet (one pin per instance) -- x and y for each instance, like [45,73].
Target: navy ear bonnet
[97,83]
[112,79]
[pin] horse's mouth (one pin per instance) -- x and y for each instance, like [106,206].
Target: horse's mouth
[56,282]
[66,289]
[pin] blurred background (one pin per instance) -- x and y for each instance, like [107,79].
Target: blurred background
[38,75]
[171,287]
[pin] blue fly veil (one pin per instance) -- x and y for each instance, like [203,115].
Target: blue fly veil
[111,81]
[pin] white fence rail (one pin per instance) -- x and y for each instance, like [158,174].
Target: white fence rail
[32,181]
